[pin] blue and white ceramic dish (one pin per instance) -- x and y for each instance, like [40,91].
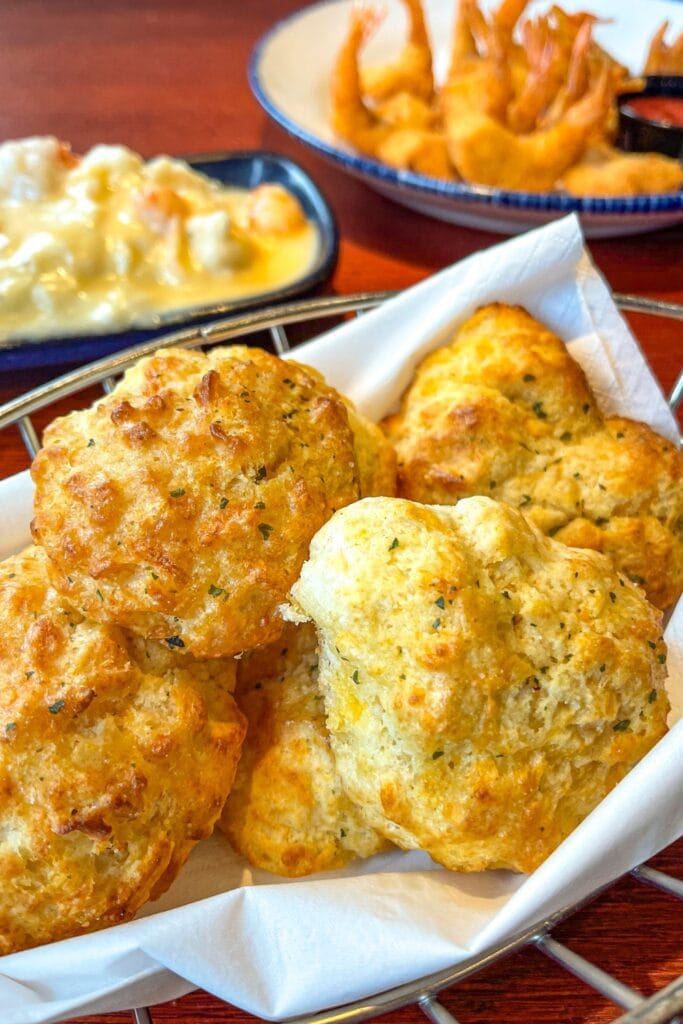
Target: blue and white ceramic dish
[244,169]
[289,74]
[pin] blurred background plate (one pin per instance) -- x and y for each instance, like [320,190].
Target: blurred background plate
[243,169]
[289,74]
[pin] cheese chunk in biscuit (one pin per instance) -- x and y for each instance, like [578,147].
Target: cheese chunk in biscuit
[485,687]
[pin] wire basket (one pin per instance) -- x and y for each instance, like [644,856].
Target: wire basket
[660,1008]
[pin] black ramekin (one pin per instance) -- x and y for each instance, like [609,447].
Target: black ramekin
[642,135]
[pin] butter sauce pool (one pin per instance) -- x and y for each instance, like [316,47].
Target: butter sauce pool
[107,241]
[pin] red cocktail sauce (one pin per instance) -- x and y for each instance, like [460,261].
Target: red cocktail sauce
[663,109]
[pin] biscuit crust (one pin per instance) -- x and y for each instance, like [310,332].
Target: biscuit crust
[288,812]
[485,686]
[375,457]
[505,411]
[116,757]
[181,506]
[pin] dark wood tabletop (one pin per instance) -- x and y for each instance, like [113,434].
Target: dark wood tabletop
[170,76]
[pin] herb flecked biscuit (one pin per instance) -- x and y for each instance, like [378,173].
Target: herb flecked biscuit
[505,411]
[288,812]
[485,686]
[116,757]
[181,506]
[375,456]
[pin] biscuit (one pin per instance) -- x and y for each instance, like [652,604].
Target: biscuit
[485,686]
[181,506]
[287,811]
[375,457]
[116,757]
[505,411]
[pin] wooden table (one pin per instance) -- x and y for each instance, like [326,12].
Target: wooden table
[166,76]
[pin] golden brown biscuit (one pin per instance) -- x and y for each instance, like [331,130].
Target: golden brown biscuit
[115,758]
[375,457]
[485,686]
[505,411]
[181,506]
[288,812]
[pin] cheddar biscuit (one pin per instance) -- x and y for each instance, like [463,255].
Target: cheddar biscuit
[116,757]
[181,506]
[505,411]
[288,812]
[485,687]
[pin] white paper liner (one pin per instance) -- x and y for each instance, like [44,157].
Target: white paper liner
[277,947]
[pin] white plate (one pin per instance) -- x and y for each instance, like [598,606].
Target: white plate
[289,74]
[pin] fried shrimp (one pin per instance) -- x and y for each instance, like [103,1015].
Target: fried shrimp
[605,171]
[574,78]
[407,111]
[665,58]
[412,72]
[424,152]
[506,16]
[540,84]
[405,139]
[475,100]
[350,117]
[476,81]
[486,152]
[522,101]
[399,145]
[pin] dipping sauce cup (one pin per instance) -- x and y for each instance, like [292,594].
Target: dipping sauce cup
[652,120]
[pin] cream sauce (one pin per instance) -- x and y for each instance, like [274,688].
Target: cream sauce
[107,241]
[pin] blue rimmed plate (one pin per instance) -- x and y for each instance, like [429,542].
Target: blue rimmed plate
[241,169]
[289,74]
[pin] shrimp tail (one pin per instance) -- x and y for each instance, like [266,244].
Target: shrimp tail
[351,119]
[411,72]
